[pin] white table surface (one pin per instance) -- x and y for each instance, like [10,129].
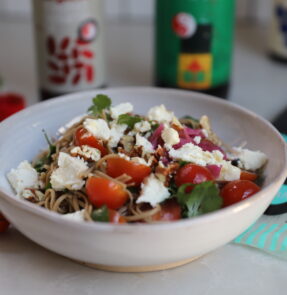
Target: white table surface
[258,84]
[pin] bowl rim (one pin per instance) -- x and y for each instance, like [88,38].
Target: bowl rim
[107,227]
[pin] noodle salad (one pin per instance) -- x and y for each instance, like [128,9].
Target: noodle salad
[112,165]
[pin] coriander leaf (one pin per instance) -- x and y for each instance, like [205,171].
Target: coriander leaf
[48,186]
[183,163]
[129,120]
[52,147]
[101,214]
[100,102]
[203,198]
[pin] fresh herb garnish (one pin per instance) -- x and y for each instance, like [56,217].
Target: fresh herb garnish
[129,120]
[48,157]
[100,102]
[190,122]
[154,126]
[183,163]
[101,214]
[203,198]
[48,186]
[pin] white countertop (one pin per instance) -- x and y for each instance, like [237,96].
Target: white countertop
[258,84]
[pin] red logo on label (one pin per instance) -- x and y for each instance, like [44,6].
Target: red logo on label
[184,25]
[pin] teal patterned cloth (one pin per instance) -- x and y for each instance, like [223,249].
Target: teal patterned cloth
[269,233]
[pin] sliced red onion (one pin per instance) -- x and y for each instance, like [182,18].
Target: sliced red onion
[214,170]
[155,138]
[209,146]
[193,132]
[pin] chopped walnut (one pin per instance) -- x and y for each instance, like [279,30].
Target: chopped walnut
[165,173]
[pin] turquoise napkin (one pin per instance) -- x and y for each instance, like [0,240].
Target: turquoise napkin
[269,233]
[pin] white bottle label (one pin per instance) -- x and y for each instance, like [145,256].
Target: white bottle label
[278,31]
[69,36]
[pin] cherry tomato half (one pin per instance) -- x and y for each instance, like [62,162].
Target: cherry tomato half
[238,190]
[119,166]
[102,191]
[115,217]
[192,173]
[84,137]
[4,224]
[245,175]
[170,211]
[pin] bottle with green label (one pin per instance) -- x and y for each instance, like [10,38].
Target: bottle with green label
[194,44]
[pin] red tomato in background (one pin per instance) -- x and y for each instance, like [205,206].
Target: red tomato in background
[10,103]
[83,137]
[4,224]
[238,190]
[119,166]
[102,191]
[192,173]
[245,175]
[170,211]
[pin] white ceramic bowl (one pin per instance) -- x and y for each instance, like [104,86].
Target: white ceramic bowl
[137,247]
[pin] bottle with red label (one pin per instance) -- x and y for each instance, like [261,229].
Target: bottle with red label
[69,43]
[194,44]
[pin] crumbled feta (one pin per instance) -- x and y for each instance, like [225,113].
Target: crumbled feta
[117,132]
[123,156]
[76,216]
[142,126]
[197,139]
[75,120]
[160,114]
[24,176]
[170,136]
[153,191]
[27,194]
[98,127]
[229,172]
[250,160]
[194,154]
[69,174]
[139,160]
[146,145]
[86,152]
[120,109]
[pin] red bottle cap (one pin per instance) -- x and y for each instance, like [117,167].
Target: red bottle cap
[10,103]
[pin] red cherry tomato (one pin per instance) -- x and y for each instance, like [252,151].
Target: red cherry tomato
[4,224]
[170,211]
[245,175]
[83,137]
[102,191]
[192,173]
[238,190]
[115,217]
[118,166]
[10,103]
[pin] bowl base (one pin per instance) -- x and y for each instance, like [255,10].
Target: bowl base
[145,268]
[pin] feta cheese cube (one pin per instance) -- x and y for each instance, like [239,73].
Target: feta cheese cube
[153,191]
[24,176]
[69,175]
[86,152]
[170,136]
[117,132]
[142,126]
[229,172]
[250,160]
[98,127]
[76,216]
[197,139]
[146,145]
[120,109]
[160,114]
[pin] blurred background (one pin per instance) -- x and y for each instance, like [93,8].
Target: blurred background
[258,82]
